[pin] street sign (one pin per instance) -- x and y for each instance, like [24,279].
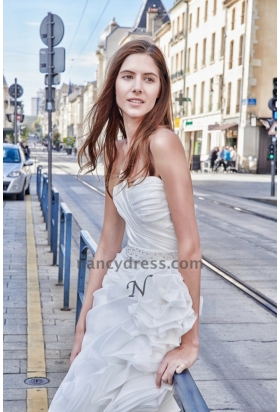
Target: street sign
[252,102]
[189,122]
[177,122]
[58,60]
[12,90]
[55,79]
[58,30]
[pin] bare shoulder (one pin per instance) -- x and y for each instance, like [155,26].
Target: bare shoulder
[164,140]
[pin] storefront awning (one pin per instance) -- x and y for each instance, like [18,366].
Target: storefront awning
[214,127]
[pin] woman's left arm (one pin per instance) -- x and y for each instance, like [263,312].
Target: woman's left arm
[171,164]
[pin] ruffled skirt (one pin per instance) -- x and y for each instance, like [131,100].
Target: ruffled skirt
[138,316]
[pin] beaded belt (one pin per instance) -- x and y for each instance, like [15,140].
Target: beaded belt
[141,254]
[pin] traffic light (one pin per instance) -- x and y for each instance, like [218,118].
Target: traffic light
[272,104]
[9,117]
[270,152]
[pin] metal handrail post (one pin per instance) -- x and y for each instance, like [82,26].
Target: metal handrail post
[61,248]
[39,174]
[86,243]
[54,226]
[67,263]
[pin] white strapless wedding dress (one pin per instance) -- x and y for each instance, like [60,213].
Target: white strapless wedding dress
[138,315]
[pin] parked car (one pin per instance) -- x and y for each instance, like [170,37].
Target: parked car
[16,171]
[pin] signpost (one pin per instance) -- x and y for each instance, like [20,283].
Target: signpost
[15,91]
[52,62]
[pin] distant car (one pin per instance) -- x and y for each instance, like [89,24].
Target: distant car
[17,172]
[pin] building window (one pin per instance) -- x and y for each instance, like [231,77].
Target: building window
[240,50]
[178,25]
[190,23]
[238,94]
[197,142]
[197,17]
[222,51]
[172,29]
[182,63]
[243,13]
[213,47]
[232,19]
[183,23]
[215,7]
[220,92]
[204,53]
[230,55]
[228,98]
[195,56]
[211,94]
[177,63]
[202,97]
[189,60]
[187,103]
[206,11]
[194,99]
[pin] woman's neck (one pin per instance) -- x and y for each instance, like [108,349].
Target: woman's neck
[130,125]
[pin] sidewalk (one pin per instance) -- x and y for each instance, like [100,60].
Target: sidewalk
[20,315]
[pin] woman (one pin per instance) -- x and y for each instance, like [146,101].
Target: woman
[139,320]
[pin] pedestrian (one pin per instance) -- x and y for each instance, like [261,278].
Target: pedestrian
[26,150]
[137,326]
[226,158]
[213,156]
[220,160]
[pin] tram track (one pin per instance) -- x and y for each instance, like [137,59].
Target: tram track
[237,209]
[257,296]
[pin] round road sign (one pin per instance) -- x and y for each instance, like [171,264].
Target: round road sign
[12,90]
[58,30]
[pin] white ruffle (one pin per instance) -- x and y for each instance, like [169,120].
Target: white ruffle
[126,339]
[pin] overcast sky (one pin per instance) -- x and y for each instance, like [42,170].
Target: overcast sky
[21,42]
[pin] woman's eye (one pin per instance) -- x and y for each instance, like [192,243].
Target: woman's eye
[127,76]
[149,79]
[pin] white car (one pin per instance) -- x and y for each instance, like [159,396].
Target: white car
[16,171]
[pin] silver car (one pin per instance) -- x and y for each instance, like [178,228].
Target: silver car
[17,172]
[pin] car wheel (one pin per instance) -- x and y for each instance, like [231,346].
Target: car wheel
[21,196]
[27,192]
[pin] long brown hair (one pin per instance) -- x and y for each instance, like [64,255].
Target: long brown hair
[105,118]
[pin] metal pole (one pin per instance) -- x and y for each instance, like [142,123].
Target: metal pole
[15,114]
[272,191]
[49,108]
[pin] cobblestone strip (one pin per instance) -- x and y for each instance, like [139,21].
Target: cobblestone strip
[37,399]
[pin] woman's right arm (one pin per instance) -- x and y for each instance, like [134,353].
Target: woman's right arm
[109,245]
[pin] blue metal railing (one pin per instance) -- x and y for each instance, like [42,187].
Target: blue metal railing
[189,394]
[86,243]
[39,181]
[54,224]
[65,252]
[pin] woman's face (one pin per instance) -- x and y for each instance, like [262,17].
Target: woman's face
[137,85]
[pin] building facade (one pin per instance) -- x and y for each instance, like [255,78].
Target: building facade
[223,59]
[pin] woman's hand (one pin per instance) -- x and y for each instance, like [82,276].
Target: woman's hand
[77,345]
[177,360]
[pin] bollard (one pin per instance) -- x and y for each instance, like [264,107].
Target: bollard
[65,252]
[39,180]
[54,225]
[86,242]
